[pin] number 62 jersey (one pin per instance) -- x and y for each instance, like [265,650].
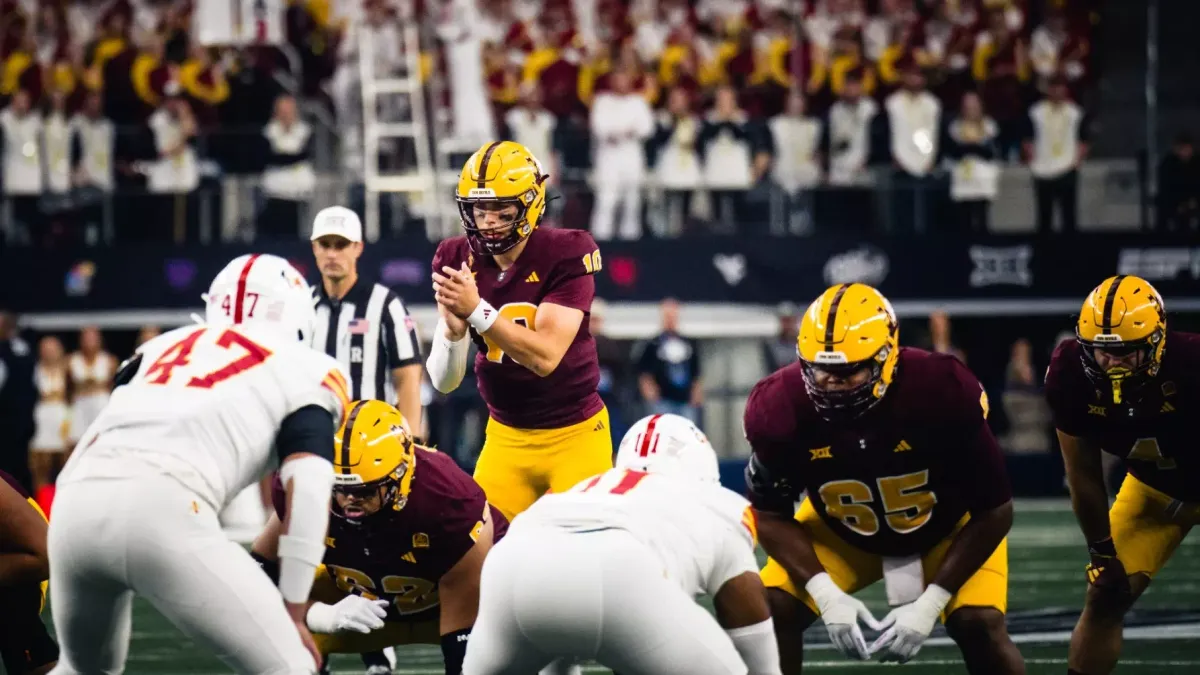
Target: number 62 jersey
[205,406]
[896,480]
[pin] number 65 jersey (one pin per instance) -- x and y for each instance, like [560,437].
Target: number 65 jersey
[205,406]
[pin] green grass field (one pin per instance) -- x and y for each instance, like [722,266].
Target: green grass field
[1046,587]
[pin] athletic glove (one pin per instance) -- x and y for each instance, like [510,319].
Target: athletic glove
[841,614]
[907,627]
[1105,570]
[352,613]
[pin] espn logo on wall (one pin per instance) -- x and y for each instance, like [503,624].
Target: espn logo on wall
[239,22]
[1159,264]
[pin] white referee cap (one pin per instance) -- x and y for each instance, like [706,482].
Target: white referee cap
[337,221]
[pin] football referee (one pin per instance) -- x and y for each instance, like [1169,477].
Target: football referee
[364,325]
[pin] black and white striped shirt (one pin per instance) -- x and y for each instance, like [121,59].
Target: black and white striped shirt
[369,332]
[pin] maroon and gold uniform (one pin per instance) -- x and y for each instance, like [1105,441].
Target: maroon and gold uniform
[25,645]
[898,480]
[544,433]
[401,556]
[1151,430]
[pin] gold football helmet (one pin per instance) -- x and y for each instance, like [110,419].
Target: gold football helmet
[1122,329]
[849,344]
[373,455]
[503,177]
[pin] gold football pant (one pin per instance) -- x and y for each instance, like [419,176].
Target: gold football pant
[517,466]
[1147,526]
[853,569]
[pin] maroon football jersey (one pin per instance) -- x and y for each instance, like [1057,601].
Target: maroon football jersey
[401,555]
[556,267]
[14,484]
[1156,437]
[898,479]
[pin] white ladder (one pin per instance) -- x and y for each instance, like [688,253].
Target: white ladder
[421,179]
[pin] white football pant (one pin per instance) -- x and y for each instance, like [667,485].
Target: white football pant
[547,593]
[111,538]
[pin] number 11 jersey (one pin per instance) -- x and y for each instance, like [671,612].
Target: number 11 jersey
[205,407]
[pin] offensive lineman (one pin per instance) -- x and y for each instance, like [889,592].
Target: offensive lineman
[405,547]
[905,482]
[1117,388]
[198,415]
[523,295]
[609,570]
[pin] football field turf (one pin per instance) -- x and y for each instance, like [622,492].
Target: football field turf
[1046,586]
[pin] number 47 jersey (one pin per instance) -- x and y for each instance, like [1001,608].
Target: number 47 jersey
[204,407]
[703,533]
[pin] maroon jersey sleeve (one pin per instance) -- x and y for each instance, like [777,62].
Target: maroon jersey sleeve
[458,505]
[770,425]
[1067,401]
[12,483]
[981,472]
[448,254]
[571,283]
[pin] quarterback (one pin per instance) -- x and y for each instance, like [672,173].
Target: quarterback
[406,543]
[199,414]
[25,646]
[1118,388]
[905,482]
[609,570]
[523,294]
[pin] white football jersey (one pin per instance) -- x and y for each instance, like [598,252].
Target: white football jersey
[704,534]
[205,407]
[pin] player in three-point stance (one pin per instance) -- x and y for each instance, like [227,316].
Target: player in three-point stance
[609,570]
[1118,388]
[406,544]
[905,481]
[26,648]
[199,414]
[522,294]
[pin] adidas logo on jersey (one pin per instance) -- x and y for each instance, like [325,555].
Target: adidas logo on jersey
[902,446]
[1167,407]
[532,278]
[599,426]
[409,558]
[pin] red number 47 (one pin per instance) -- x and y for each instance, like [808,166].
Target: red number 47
[179,354]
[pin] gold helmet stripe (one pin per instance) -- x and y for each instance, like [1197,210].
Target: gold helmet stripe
[343,458]
[487,157]
[1110,299]
[832,316]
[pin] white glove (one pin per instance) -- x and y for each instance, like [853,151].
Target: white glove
[841,614]
[352,613]
[907,627]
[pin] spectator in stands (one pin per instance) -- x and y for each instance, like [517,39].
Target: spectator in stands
[461,31]
[1179,187]
[795,141]
[831,71]
[939,336]
[970,147]
[1000,65]
[1056,144]
[944,47]
[1024,405]
[728,152]
[846,147]
[613,356]
[23,165]
[175,173]
[92,163]
[780,350]
[289,179]
[56,141]
[531,125]
[1054,49]
[146,334]
[914,123]
[676,159]
[669,369]
[621,121]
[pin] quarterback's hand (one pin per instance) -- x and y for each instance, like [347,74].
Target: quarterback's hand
[907,627]
[841,614]
[456,328]
[456,289]
[352,613]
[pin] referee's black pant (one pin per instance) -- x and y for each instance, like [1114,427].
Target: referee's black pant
[1061,192]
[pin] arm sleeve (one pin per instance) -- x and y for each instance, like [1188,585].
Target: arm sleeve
[402,344]
[309,429]
[980,461]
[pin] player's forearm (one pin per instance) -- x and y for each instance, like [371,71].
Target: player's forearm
[787,542]
[538,353]
[973,545]
[18,569]
[1085,480]
[459,607]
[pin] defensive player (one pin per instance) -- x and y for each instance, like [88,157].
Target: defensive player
[200,413]
[905,482]
[405,547]
[524,294]
[609,570]
[25,646]
[1119,389]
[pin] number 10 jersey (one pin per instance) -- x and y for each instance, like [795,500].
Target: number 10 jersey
[205,407]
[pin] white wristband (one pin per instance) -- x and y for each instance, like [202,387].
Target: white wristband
[483,316]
